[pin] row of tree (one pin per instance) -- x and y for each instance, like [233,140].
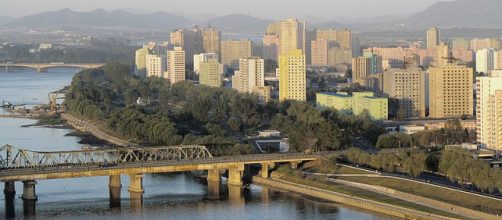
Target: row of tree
[457,164]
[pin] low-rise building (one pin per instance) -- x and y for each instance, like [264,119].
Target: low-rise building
[356,103]
[411,129]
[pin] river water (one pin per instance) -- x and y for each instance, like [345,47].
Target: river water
[167,196]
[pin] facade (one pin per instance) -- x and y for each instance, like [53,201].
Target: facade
[450,91]
[292,76]
[485,61]
[155,66]
[485,43]
[489,112]
[319,53]
[442,54]
[356,104]
[432,38]
[189,40]
[497,60]
[140,60]
[407,86]
[293,36]
[271,47]
[411,129]
[203,57]
[460,43]
[251,78]
[211,39]
[211,72]
[233,50]
[375,63]
[176,65]
[339,56]
[360,68]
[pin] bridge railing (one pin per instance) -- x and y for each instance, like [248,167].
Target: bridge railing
[13,158]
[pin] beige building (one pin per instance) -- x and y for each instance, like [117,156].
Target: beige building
[203,57]
[292,76]
[450,91]
[360,69]
[274,29]
[211,72]
[442,54]
[460,43]
[271,47]
[189,40]
[211,39]
[155,66]
[250,78]
[497,60]
[336,38]
[233,50]
[293,35]
[407,86]
[489,112]
[339,56]
[432,37]
[319,53]
[176,65]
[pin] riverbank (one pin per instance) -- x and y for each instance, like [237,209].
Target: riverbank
[355,201]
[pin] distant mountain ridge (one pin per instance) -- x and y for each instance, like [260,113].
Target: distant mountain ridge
[67,18]
[459,13]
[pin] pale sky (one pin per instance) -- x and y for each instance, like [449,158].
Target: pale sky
[261,8]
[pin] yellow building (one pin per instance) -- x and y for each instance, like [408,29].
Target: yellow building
[432,37]
[356,104]
[176,65]
[155,66]
[263,93]
[233,50]
[450,91]
[336,38]
[442,54]
[140,59]
[292,76]
[293,36]
[274,29]
[210,73]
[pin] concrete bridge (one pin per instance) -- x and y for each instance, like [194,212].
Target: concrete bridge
[31,166]
[41,67]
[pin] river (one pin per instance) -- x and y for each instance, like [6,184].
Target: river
[167,196]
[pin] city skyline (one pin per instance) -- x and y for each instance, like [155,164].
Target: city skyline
[316,9]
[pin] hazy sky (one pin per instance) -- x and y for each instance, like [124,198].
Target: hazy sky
[260,8]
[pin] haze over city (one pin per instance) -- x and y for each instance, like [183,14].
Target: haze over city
[276,9]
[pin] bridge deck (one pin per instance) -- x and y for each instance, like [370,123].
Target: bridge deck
[75,171]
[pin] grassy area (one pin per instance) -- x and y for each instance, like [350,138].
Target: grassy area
[449,196]
[321,182]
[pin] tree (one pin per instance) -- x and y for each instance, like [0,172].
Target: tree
[270,66]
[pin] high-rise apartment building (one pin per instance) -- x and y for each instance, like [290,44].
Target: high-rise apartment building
[176,65]
[271,47]
[211,39]
[375,63]
[233,50]
[450,91]
[319,52]
[432,37]
[155,66]
[203,57]
[497,60]
[485,61]
[408,87]
[140,60]
[293,35]
[360,68]
[211,72]
[250,78]
[339,56]
[442,54]
[190,41]
[292,76]
[460,43]
[489,112]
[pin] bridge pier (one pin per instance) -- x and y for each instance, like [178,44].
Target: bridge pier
[115,187]
[10,188]
[235,175]
[265,167]
[29,192]
[294,164]
[213,175]
[136,183]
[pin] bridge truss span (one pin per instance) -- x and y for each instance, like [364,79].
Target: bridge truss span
[13,158]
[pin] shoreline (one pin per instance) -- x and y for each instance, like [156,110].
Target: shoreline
[357,202]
